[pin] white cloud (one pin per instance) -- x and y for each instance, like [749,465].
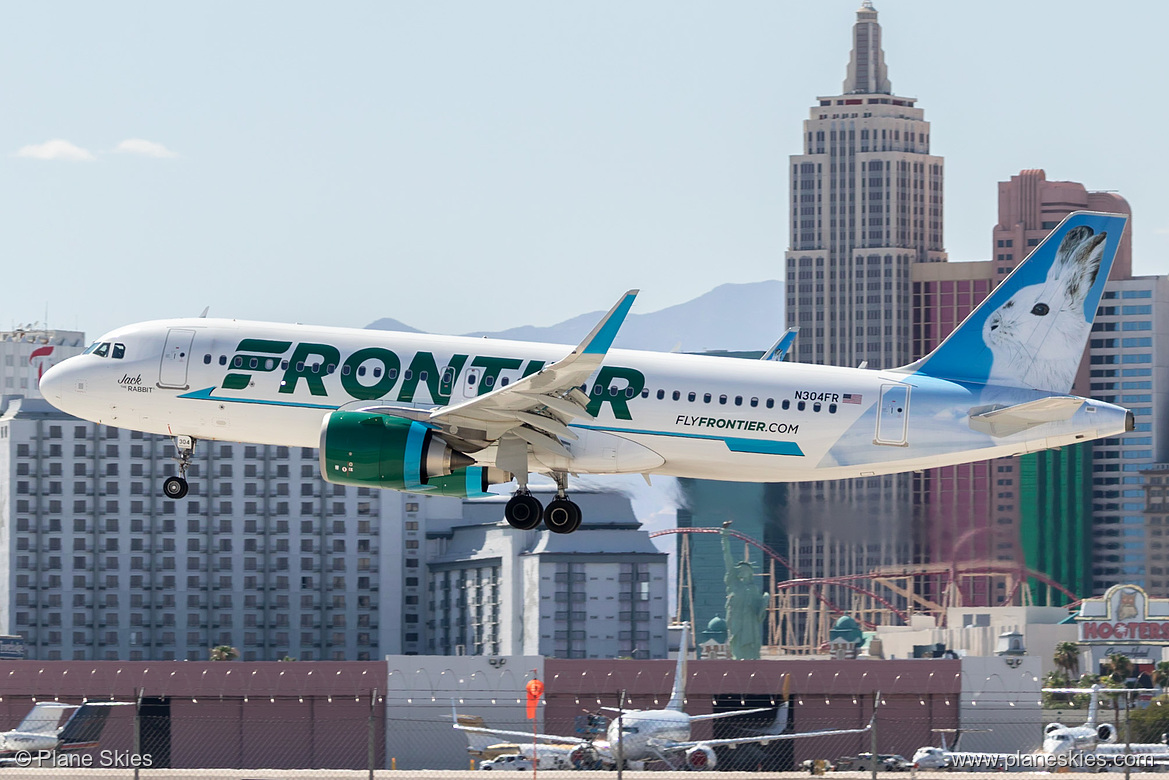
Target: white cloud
[145,148]
[56,149]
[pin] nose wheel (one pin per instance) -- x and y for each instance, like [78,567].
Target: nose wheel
[174,487]
[177,487]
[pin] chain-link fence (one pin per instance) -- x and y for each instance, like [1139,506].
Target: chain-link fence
[250,738]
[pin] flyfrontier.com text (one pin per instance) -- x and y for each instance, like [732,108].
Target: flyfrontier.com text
[737,425]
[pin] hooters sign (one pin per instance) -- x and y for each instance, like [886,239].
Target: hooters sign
[1125,615]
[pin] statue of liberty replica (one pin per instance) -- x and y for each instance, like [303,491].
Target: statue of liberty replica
[746,605]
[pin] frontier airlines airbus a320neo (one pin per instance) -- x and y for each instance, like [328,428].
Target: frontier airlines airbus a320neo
[451,416]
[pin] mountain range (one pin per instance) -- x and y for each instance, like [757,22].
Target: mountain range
[733,317]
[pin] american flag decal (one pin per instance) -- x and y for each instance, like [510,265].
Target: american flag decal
[851,398]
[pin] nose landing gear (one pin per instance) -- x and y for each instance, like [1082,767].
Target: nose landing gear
[176,487]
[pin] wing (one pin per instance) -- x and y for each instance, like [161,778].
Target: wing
[558,738]
[715,715]
[536,409]
[761,739]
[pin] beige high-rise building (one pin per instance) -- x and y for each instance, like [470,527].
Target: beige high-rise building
[866,204]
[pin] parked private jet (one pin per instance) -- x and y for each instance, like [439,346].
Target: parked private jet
[452,416]
[1100,738]
[52,726]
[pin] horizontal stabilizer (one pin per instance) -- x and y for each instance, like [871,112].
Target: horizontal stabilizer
[1007,420]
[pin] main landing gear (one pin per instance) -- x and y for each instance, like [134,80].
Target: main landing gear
[176,487]
[562,516]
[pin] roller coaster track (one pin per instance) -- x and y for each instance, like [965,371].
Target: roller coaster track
[951,572]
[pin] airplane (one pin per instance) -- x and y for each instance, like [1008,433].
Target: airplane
[944,757]
[446,415]
[43,730]
[648,735]
[1101,739]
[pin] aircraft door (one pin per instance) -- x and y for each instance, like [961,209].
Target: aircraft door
[893,415]
[176,355]
[468,384]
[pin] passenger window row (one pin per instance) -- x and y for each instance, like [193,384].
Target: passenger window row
[707,398]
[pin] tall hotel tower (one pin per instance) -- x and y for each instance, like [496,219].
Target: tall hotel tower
[866,206]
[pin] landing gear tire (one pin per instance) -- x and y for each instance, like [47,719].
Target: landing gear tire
[523,512]
[562,516]
[174,487]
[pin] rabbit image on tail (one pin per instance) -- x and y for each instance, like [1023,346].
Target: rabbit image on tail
[1037,337]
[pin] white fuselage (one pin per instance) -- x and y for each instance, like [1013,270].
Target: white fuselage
[16,741]
[681,415]
[640,727]
[1084,739]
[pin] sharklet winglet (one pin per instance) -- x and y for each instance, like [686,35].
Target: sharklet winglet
[602,335]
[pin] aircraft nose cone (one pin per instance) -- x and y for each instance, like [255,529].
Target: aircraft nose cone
[59,383]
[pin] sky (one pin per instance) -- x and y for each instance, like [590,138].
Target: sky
[468,166]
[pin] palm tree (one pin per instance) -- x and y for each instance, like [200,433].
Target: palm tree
[1118,668]
[224,653]
[1067,658]
[1161,673]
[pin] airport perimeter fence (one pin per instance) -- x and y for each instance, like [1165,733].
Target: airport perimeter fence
[360,737]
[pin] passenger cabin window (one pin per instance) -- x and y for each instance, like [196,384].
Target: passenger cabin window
[706,398]
[786,404]
[690,397]
[206,360]
[722,399]
[677,395]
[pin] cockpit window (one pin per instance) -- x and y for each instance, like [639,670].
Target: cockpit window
[91,348]
[103,349]
[119,351]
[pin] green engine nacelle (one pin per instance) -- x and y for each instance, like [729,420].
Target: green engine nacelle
[471,482]
[364,449]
